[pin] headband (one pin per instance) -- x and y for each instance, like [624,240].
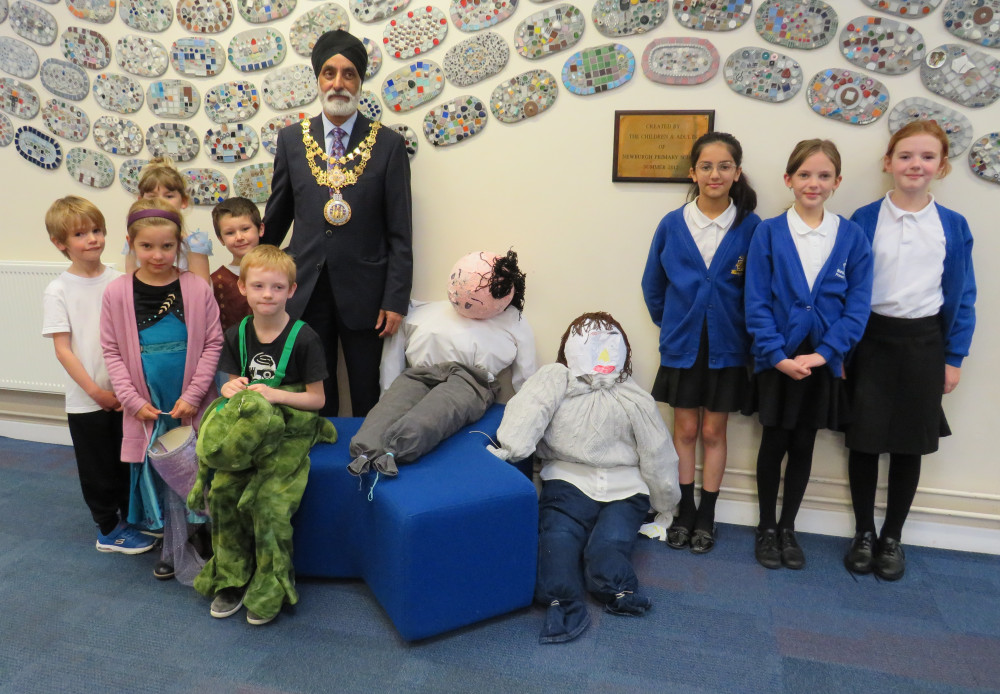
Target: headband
[169,215]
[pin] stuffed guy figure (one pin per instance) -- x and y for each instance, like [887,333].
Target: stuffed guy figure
[439,370]
[606,458]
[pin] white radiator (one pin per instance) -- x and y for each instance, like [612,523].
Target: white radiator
[27,360]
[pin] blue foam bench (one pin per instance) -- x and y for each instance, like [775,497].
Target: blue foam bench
[449,542]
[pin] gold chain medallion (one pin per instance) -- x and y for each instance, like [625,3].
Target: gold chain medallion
[336,175]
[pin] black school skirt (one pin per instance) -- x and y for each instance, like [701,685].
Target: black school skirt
[717,390]
[896,379]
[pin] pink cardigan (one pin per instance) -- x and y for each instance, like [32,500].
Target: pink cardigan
[120,342]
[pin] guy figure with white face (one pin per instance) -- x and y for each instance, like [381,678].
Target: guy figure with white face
[345,182]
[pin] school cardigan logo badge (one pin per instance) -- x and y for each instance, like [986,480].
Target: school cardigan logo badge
[740,268]
[842,271]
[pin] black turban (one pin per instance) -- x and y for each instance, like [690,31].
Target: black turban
[339,42]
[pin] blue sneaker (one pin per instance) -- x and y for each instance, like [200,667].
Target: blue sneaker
[125,539]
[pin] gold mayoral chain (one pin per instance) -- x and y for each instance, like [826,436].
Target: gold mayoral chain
[337,176]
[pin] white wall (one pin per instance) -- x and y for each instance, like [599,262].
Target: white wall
[543,187]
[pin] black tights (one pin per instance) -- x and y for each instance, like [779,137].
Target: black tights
[904,475]
[775,442]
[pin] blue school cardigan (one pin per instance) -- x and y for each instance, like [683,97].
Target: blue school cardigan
[781,311]
[958,281]
[682,294]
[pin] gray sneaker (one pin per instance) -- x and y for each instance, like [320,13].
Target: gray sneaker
[256,619]
[227,602]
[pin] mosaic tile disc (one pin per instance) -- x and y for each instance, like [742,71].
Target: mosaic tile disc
[66,120]
[369,105]
[18,58]
[141,56]
[763,74]
[204,16]
[173,99]
[153,16]
[476,59]
[882,45]
[974,20]
[712,15]
[455,121]
[174,140]
[409,136]
[118,135]
[269,131]
[552,30]
[18,98]
[195,56]
[912,9]
[476,15]
[966,76]
[290,87]
[231,142]
[984,157]
[413,85]
[956,126]
[37,147]
[98,11]
[679,61]
[64,79]
[257,49]
[85,47]
[4,11]
[598,69]
[524,96]
[808,25]
[29,21]
[313,24]
[254,182]
[90,167]
[374,57]
[232,102]
[369,11]
[616,18]
[118,93]
[261,11]
[6,131]
[128,174]
[206,186]
[415,32]
[847,96]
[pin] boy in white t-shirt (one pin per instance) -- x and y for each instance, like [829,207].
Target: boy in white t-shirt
[71,317]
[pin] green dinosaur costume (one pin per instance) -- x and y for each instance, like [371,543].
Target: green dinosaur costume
[260,455]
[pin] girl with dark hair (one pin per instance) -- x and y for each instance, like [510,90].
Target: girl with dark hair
[693,286]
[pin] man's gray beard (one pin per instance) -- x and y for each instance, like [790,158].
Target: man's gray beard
[340,109]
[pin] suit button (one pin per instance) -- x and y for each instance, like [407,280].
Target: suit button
[319,266]
[329,232]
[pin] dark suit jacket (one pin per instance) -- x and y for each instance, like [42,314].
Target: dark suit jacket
[369,260]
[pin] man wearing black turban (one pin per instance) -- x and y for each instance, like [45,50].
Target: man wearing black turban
[354,255]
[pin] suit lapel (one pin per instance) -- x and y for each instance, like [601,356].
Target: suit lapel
[362,126]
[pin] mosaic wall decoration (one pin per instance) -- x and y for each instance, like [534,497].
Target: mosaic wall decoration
[18,98]
[194,56]
[261,11]
[64,79]
[598,69]
[475,59]
[89,167]
[85,47]
[678,61]
[37,147]
[763,74]
[128,174]
[18,58]
[416,32]
[524,96]
[808,25]
[455,121]
[290,87]
[204,16]
[6,131]
[232,102]
[141,56]
[409,136]
[257,49]
[269,131]
[374,57]
[29,21]
[413,85]
[313,24]
[712,15]
[967,76]
[974,20]
[616,18]
[118,135]
[469,15]
[984,157]
[66,120]
[174,140]
[882,45]
[847,96]
[369,11]
[153,16]
[173,99]
[254,182]
[369,105]
[913,9]
[549,31]
[956,126]
[231,142]
[98,11]
[4,11]
[206,186]
[118,93]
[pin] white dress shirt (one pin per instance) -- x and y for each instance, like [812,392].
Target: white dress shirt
[708,233]
[813,245]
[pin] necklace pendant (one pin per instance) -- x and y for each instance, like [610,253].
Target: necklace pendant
[336,177]
[337,212]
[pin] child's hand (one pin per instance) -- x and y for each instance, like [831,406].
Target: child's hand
[231,388]
[792,369]
[810,361]
[951,376]
[147,413]
[183,410]
[107,401]
[272,395]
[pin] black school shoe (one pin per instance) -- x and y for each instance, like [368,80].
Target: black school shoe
[792,556]
[766,548]
[890,561]
[163,571]
[860,556]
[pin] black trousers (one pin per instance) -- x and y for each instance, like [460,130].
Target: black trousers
[104,478]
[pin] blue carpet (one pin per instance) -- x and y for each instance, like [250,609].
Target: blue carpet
[75,620]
